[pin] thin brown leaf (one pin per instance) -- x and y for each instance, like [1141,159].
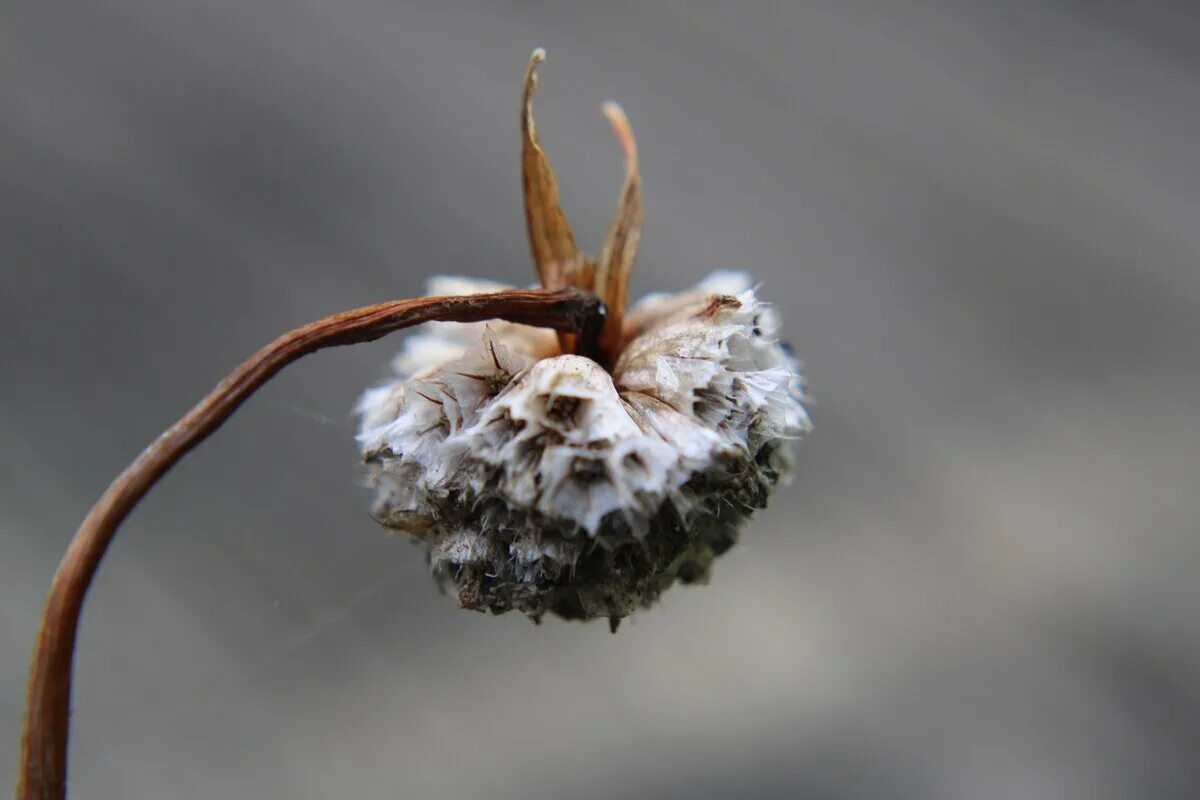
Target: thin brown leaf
[550,240]
[621,241]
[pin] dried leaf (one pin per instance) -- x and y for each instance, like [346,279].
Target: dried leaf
[621,242]
[550,238]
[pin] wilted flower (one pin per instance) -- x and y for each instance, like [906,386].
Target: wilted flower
[542,480]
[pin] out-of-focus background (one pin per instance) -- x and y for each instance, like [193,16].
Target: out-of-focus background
[978,219]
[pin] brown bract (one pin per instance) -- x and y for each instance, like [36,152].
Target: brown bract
[557,260]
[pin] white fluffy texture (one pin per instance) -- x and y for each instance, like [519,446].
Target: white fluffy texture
[489,409]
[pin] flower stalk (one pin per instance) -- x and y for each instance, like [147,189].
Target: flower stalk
[42,770]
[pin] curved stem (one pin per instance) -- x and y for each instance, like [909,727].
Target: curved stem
[43,766]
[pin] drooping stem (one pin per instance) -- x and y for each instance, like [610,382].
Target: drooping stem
[43,757]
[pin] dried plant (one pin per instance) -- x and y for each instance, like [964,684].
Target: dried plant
[541,480]
[553,457]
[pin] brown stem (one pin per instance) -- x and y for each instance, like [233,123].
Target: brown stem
[43,766]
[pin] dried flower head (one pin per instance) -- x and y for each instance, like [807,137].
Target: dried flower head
[543,480]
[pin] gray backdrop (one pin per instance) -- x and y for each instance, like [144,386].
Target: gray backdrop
[978,219]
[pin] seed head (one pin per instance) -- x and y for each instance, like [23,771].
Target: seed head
[543,481]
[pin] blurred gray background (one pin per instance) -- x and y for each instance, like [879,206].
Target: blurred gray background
[978,219]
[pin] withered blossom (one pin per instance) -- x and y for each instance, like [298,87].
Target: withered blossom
[544,480]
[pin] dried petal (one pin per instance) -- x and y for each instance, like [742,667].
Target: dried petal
[621,242]
[550,238]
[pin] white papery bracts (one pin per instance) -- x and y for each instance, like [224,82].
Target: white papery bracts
[544,481]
